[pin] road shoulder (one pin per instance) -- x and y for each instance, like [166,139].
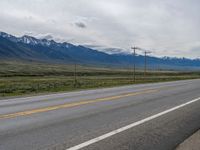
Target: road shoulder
[192,143]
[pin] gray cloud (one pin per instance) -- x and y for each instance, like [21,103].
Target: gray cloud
[169,27]
[80,24]
[48,36]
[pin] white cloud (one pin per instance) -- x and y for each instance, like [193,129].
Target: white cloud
[169,27]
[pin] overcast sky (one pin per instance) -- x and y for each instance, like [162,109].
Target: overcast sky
[167,27]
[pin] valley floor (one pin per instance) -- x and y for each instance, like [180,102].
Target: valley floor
[18,78]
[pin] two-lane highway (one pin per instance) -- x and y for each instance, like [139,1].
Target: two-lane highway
[147,116]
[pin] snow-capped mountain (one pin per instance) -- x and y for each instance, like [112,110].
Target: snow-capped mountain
[28,40]
[43,50]
[8,36]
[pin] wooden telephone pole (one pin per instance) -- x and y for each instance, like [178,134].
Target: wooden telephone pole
[145,62]
[75,75]
[134,64]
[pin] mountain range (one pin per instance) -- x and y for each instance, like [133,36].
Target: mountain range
[28,48]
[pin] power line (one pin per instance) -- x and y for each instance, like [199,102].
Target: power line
[145,59]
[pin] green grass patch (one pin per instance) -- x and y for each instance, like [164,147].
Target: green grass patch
[19,78]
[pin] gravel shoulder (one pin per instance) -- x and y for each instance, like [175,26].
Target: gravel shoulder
[192,143]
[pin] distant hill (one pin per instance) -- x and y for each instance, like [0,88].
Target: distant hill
[28,48]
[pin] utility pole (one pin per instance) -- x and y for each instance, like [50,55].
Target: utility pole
[134,68]
[75,75]
[145,62]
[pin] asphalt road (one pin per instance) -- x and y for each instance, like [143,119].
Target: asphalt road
[155,116]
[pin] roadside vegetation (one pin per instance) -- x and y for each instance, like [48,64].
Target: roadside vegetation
[18,78]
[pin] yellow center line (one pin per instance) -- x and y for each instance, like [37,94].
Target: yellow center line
[74,104]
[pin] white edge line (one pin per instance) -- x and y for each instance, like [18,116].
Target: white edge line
[102,137]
